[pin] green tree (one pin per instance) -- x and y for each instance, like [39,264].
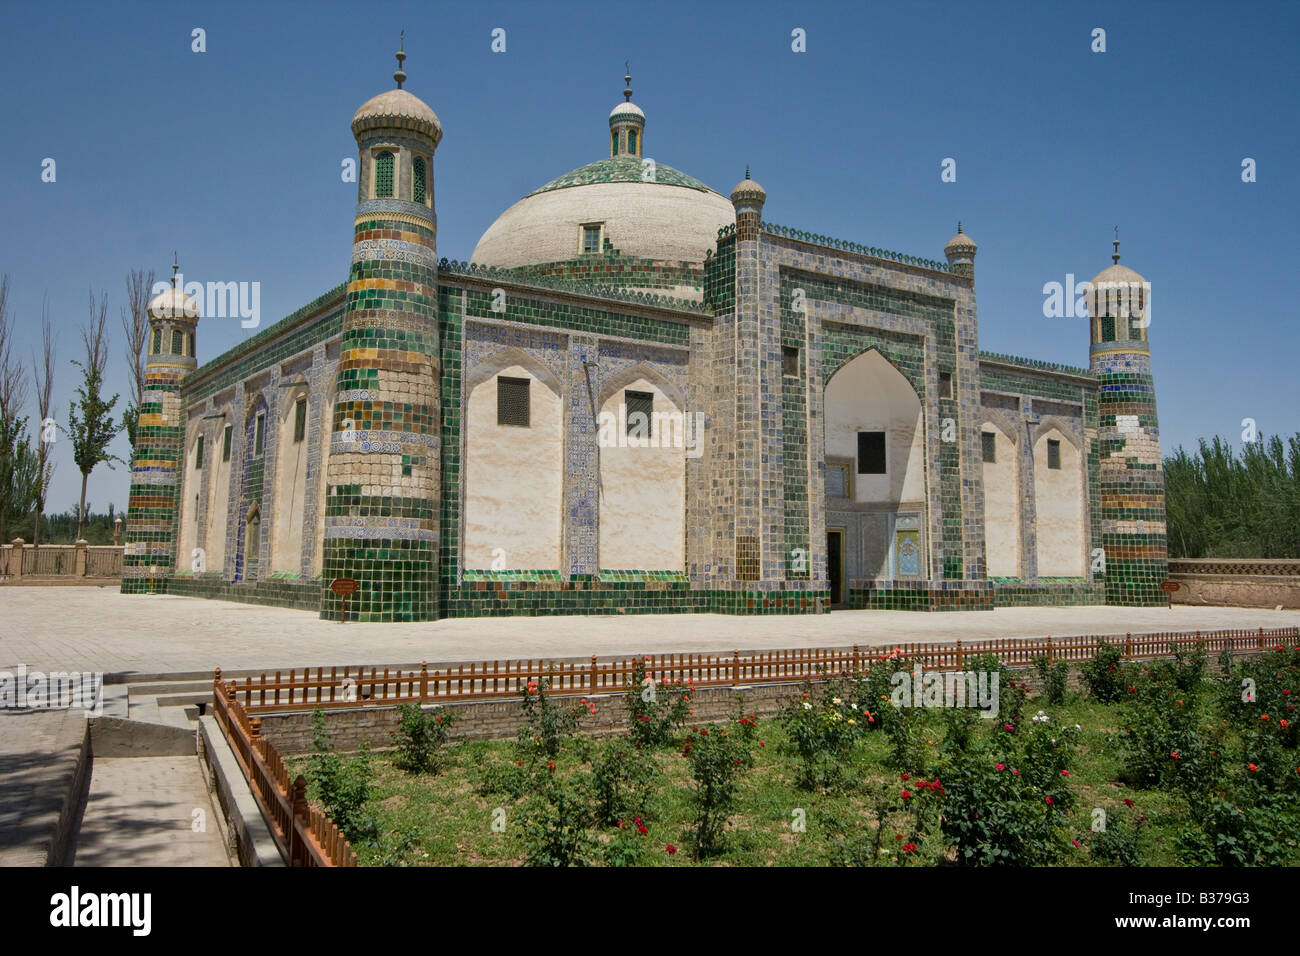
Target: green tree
[13,425]
[1224,505]
[91,426]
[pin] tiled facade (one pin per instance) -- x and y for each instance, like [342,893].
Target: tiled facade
[388,360]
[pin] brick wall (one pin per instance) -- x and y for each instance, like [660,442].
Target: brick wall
[497,719]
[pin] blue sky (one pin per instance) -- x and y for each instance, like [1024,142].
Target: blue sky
[232,156]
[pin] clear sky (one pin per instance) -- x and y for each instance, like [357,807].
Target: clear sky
[233,156]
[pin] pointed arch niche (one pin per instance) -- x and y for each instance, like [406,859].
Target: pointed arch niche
[1001,497]
[1058,500]
[513,472]
[642,472]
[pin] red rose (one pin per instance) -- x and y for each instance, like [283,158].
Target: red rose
[909,847]
[906,795]
[671,849]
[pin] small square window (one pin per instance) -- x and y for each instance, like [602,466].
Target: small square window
[259,434]
[590,240]
[225,442]
[989,446]
[945,384]
[300,419]
[512,401]
[871,453]
[789,360]
[640,413]
[1053,454]
[198,452]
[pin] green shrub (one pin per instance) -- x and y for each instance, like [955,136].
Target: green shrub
[548,725]
[342,788]
[1231,831]
[1120,844]
[555,822]
[1054,677]
[1104,674]
[717,760]
[624,781]
[656,709]
[822,726]
[421,737]
[994,815]
[1162,742]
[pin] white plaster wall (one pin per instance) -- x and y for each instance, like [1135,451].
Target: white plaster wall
[514,479]
[1059,505]
[642,489]
[869,394]
[189,505]
[218,504]
[1002,507]
[290,493]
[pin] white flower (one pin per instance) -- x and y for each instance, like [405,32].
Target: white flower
[836,700]
[807,706]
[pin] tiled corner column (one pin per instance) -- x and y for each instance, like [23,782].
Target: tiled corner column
[1028,495]
[1131,475]
[751,550]
[967,390]
[582,459]
[156,463]
[381,513]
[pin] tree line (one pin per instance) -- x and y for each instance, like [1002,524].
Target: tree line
[1224,505]
[29,429]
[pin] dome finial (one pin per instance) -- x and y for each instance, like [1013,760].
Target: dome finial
[747,170]
[400,76]
[959,227]
[627,81]
[175,267]
[1115,256]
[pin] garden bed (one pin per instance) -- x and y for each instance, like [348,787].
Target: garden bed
[1153,764]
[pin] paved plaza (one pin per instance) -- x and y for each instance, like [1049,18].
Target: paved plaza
[100,629]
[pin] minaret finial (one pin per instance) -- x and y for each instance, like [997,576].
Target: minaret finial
[627,81]
[1115,256]
[176,267]
[747,170]
[959,227]
[400,76]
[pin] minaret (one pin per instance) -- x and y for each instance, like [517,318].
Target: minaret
[627,126]
[1128,437]
[960,252]
[149,558]
[382,506]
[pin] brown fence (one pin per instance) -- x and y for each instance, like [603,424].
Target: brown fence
[483,680]
[20,560]
[305,835]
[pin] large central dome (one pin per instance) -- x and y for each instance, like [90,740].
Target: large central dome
[624,207]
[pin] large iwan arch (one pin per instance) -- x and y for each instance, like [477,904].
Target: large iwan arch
[875,474]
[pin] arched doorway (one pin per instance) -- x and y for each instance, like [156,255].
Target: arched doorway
[875,475]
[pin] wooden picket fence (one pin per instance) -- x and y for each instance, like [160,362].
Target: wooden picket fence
[305,835]
[310,688]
